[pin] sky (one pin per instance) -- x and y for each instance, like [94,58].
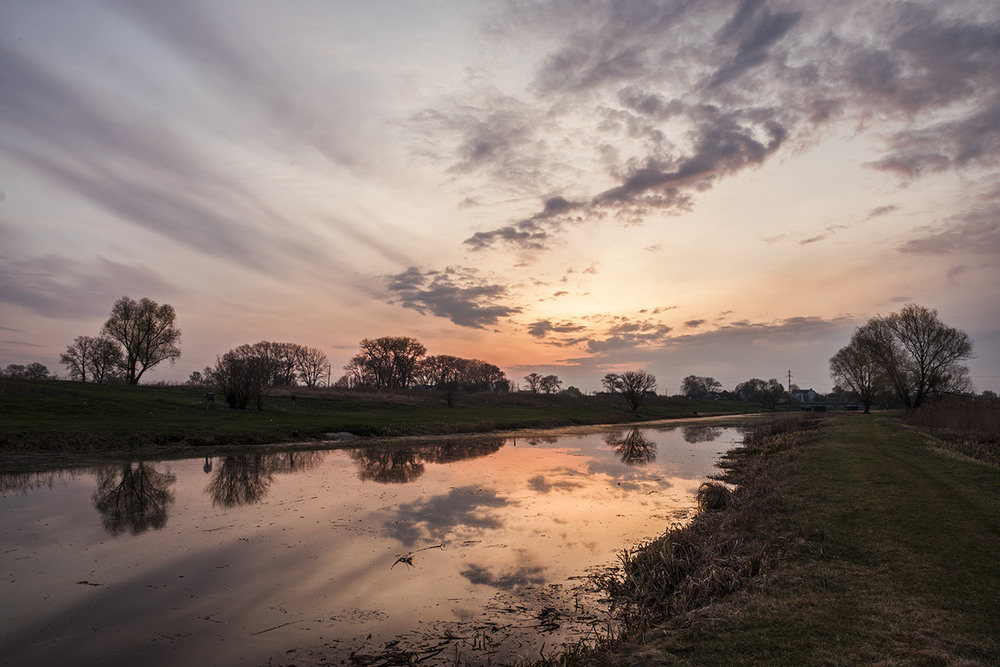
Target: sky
[572,187]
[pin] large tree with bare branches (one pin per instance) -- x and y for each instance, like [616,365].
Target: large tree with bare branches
[146,332]
[920,355]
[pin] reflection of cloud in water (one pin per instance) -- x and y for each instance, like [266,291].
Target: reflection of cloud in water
[464,507]
[505,581]
[541,484]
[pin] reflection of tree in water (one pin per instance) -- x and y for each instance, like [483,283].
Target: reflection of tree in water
[696,434]
[633,449]
[239,480]
[450,452]
[133,497]
[388,465]
[245,479]
[399,465]
[292,461]
[23,482]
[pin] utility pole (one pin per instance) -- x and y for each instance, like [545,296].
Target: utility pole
[789,379]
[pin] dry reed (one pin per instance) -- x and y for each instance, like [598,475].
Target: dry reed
[719,551]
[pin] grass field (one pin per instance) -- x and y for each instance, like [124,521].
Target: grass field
[881,546]
[76,415]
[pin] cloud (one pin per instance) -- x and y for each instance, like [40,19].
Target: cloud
[456,293]
[488,133]
[684,94]
[880,211]
[58,288]
[694,324]
[286,107]
[732,342]
[542,329]
[629,334]
[974,232]
[147,175]
[530,233]
[758,30]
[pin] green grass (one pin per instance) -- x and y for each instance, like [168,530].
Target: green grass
[885,551]
[60,415]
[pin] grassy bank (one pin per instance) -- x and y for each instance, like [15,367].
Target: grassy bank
[53,415]
[864,542]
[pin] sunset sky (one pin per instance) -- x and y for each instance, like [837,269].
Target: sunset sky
[571,187]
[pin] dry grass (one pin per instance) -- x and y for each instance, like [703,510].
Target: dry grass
[720,550]
[969,426]
[714,496]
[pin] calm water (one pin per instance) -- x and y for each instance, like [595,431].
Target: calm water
[478,549]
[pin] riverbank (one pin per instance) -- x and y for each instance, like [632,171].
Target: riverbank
[58,420]
[863,541]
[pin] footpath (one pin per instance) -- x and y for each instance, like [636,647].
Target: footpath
[889,554]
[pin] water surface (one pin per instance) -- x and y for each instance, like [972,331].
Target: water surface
[476,549]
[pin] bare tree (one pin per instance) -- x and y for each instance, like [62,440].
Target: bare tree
[768,394]
[147,333]
[633,386]
[97,356]
[389,362]
[244,374]
[697,386]
[549,384]
[534,381]
[445,372]
[311,365]
[33,371]
[855,368]
[920,355]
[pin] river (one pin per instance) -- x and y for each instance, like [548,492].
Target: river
[463,550]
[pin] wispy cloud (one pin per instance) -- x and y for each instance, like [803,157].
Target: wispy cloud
[973,232]
[760,78]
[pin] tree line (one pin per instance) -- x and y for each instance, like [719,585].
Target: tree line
[911,355]
[401,362]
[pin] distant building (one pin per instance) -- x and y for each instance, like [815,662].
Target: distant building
[803,395]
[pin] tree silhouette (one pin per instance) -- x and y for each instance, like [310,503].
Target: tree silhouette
[147,333]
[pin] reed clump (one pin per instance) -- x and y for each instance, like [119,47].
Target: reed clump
[719,551]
